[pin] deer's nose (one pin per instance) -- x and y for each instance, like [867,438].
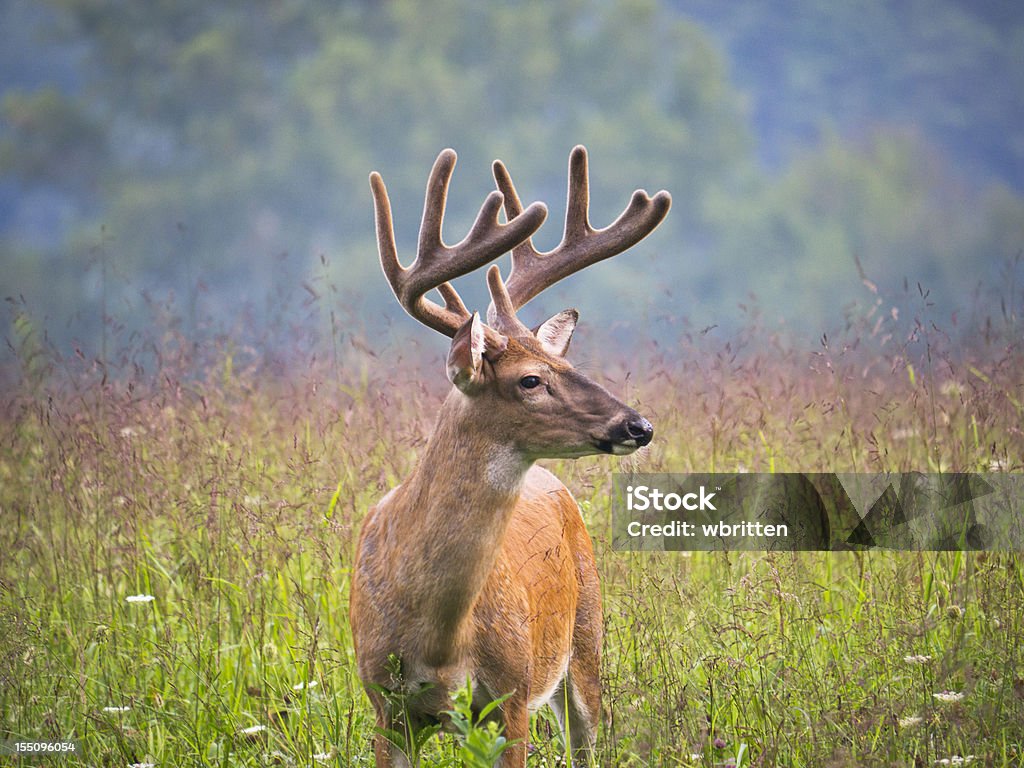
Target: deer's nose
[638,428]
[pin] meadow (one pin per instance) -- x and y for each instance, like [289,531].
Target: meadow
[177,528]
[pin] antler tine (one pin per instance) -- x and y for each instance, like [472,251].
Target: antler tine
[501,316]
[581,245]
[437,264]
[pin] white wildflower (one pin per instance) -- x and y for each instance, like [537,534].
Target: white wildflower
[948,697]
[139,599]
[117,709]
[919,659]
[323,757]
[142,765]
[252,730]
[911,722]
[950,388]
[310,684]
[956,760]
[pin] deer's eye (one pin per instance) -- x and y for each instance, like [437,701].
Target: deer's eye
[529,382]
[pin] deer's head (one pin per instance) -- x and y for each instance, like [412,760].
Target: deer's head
[513,381]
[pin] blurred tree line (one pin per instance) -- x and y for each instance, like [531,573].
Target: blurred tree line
[951,67]
[218,155]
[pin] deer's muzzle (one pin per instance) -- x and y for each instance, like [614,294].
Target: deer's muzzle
[631,432]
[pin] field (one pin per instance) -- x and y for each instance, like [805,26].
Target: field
[176,543]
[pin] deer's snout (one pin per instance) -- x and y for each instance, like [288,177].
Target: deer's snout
[640,429]
[629,433]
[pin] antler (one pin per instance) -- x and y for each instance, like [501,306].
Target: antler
[436,263]
[581,245]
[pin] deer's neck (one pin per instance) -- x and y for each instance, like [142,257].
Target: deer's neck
[457,506]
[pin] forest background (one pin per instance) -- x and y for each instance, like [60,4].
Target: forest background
[202,165]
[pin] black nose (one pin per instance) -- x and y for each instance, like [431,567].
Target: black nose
[640,429]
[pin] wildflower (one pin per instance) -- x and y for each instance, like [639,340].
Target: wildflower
[948,697]
[911,722]
[139,599]
[950,389]
[142,765]
[719,743]
[310,684]
[956,760]
[917,659]
[323,757]
[252,730]
[116,709]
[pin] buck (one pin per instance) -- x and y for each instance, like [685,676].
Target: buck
[479,567]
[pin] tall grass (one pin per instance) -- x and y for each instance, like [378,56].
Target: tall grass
[231,492]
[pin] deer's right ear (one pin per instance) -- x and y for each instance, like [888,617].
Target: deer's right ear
[555,333]
[465,358]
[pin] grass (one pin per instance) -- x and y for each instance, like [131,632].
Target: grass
[232,492]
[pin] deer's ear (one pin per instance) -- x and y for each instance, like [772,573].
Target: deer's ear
[465,358]
[555,333]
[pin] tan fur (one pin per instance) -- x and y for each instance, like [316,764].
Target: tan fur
[459,578]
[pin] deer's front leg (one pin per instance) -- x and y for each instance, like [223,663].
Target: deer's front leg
[516,719]
[386,754]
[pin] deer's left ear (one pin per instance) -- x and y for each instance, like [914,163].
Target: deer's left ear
[555,333]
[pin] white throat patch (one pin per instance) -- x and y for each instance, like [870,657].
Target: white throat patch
[505,469]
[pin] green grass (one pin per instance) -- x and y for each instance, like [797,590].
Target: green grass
[233,496]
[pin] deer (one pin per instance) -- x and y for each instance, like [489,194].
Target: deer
[479,567]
